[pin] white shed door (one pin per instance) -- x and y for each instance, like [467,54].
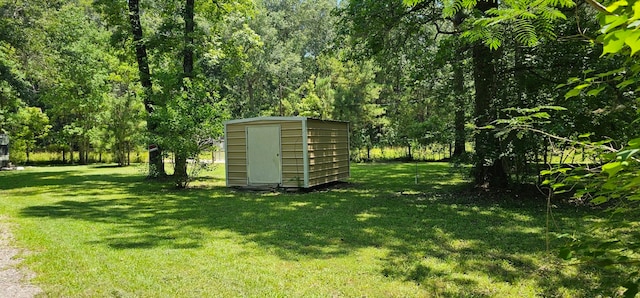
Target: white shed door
[263,154]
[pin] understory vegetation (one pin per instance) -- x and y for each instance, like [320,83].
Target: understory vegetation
[106,231]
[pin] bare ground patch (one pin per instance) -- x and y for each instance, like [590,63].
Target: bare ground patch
[14,281]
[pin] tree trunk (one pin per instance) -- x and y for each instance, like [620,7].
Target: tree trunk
[82,151]
[489,171]
[81,156]
[252,104]
[128,146]
[156,164]
[458,89]
[180,173]
[459,93]
[189,25]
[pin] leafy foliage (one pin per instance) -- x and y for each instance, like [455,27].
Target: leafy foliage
[613,178]
[529,20]
[189,123]
[27,126]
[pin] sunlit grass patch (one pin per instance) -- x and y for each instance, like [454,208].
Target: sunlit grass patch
[107,231]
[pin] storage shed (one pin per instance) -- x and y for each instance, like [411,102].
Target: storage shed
[286,151]
[4,150]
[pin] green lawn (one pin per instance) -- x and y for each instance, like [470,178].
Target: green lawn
[105,231]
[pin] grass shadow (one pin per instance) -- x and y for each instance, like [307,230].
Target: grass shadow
[430,235]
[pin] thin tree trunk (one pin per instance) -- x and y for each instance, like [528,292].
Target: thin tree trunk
[489,170]
[156,164]
[180,171]
[252,104]
[189,26]
[128,146]
[459,93]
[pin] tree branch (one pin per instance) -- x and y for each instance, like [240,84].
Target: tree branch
[595,4]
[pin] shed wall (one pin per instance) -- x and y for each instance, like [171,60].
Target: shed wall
[328,149]
[291,152]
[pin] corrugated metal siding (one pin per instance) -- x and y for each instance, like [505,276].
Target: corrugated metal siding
[291,151]
[328,147]
[236,155]
[292,159]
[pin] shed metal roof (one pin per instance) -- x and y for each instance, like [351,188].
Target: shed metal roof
[276,118]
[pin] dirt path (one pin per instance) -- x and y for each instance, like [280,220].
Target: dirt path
[13,282]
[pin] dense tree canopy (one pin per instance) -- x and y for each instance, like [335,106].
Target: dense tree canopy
[118,76]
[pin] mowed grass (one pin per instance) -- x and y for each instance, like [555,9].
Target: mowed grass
[107,232]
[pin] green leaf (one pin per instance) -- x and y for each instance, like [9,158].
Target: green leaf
[634,24]
[543,115]
[625,83]
[633,41]
[635,143]
[566,253]
[572,93]
[595,92]
[634,183]
[611,72]
[554,108]
[632,289]
[411,2]
[636,11]
[599,200]
[564,170]
[612,168]
[612,21]
[611,8]
[613,42]
[580,87]
[626,154]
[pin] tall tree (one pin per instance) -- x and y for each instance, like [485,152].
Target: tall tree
[78,73]
[488,169]
[459,89]
[404,41]
[282,44]
[187,67]
[156,162]
[29,125]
